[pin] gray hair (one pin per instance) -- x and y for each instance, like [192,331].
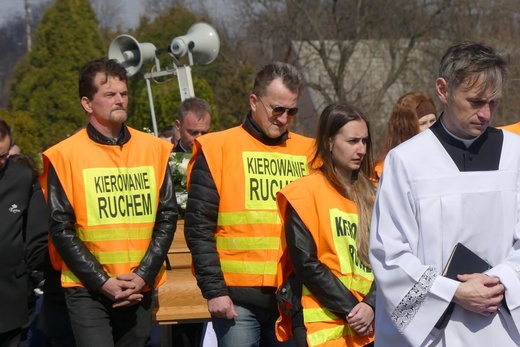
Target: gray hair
[467,61]
[291,77]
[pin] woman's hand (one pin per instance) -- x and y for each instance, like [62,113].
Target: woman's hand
[361,318]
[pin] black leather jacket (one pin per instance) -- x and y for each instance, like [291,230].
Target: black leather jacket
[73,251]
[200,226]
[317,277]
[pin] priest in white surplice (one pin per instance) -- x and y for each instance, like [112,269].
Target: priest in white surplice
[457,182]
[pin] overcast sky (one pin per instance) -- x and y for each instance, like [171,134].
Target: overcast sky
[132,9]
[14,8]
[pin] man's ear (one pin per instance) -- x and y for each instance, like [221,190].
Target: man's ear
[253,99]
[85,102]
[442,89]
[177,124]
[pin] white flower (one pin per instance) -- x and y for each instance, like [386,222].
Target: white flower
[179,167]
[182,198]
[183,166]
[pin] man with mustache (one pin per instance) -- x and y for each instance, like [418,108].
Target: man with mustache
[113,214]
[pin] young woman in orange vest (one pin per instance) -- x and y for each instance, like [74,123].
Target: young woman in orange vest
[327,294]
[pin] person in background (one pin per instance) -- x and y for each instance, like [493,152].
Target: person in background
[36,276]
[168,134]
[232,227]
[326,217]
[113,214]
[23,240]
[455,183]
[193,121]
[413,113]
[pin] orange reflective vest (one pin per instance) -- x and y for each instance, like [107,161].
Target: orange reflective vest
[514,128]
[378,169]
[247,174]
[114,192]
[332,221]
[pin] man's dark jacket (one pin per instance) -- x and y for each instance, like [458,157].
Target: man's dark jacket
[200,226]
[23,241]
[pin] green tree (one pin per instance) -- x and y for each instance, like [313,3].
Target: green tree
[161,31]
[45,83]
[22,124]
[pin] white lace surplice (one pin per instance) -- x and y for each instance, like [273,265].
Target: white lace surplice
[425,205]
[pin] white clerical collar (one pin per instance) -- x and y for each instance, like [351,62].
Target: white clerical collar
[466,142]
[180,145]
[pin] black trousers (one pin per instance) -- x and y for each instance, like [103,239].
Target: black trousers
[10,338]
[96,324]
[187,334]
[54,317]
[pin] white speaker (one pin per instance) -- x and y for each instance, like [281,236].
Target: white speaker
[132,54]
[201,40]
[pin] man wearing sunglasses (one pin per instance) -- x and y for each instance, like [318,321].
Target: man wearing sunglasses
[232,227]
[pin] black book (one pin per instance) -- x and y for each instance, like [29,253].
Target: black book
[462,261]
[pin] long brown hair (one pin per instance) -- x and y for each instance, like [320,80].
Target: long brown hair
[360,189]
[404,122]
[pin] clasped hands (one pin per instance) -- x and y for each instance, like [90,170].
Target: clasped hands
[361,319]
[124,290]
[479,293]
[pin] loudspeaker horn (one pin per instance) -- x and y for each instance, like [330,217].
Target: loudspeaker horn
[132,54]
[201,40]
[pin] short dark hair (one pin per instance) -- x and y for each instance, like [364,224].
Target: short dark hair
[109,67]
[196,105]
[166,131]
[290,76]
[5,130]
[472,60]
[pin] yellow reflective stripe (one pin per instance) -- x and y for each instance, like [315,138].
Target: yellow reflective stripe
[69,277]
[115,234]
[248,243]
[121,257]
[107,258]
[330,334]
[312,315]
[248,217]
[357,283]
[249,267]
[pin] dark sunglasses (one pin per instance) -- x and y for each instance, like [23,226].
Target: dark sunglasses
[280,110]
